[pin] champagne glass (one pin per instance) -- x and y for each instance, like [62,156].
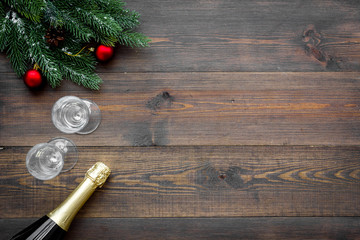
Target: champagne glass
[71,114]
[46,160]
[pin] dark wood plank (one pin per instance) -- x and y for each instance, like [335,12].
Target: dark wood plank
[272,35]
[216,35]
[196,109]
[202,228]
[207,181]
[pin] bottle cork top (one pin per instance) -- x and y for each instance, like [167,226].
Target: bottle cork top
[98,173]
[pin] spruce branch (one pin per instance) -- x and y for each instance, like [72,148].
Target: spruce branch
[57,16]
[52,15]
[16,41]
[133,39]
[81,76]
[2,10]
[110,6]
[77,28]
[128,20]
[79,67]
[83,58]
[5,31]
[30,9]
[101,22]
[105,39]
[40,53]
[79,23]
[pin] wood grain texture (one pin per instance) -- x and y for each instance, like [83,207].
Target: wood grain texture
[202,228]
[240,121]
[196,109]
[207,181]
[216,35]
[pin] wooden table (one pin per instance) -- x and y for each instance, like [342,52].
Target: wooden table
[240,121]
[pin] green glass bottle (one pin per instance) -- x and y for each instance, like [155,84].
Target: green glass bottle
[54,225]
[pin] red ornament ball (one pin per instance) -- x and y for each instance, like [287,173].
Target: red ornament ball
[32,78]
[104,53]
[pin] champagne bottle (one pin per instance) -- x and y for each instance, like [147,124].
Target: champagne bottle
[55,224]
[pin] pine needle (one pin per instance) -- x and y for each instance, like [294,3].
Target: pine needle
[24,24]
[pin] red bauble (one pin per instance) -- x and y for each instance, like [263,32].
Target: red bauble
[32,78]
[104,53]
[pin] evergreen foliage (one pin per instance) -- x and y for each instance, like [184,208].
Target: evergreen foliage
[24,24]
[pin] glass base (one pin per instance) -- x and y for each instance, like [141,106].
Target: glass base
[94,117]
[69,114]
[69,150]
[44,161]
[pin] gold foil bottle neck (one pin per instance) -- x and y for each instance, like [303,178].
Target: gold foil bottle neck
[95,177]
[98,174]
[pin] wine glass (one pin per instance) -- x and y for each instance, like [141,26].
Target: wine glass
[46,160]
[71,114]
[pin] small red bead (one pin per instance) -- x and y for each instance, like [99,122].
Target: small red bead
[104,53]
[32,78]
